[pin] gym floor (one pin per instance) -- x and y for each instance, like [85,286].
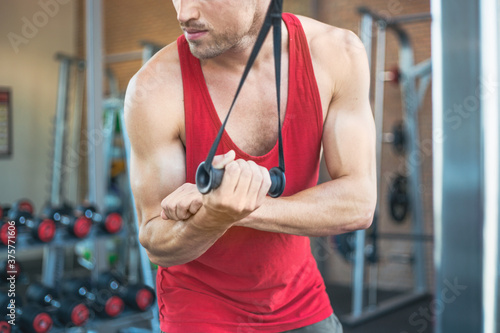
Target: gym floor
[397,321]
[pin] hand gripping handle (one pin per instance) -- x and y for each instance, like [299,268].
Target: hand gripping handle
[207,180]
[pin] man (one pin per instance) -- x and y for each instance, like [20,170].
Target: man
[236,260]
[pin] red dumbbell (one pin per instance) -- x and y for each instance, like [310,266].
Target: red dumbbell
[104,303]
[111,222]
[77,226]
[138,296]
[42,229]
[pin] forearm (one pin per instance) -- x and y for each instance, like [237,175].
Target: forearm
[171,243]
[335,207]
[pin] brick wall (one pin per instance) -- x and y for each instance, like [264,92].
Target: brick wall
[127,22]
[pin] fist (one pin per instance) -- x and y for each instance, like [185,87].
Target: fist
[181,204]
[243,189]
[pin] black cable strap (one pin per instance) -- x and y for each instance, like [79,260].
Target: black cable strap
[207,177]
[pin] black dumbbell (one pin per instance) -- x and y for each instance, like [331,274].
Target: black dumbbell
[111,222]
[104,303]
[42,229]
[68,310]
[31,318]
[8,232]
[77,226]
[138,296]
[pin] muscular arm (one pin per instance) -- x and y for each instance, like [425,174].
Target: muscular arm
[154,118]
[177,224]
[347,202]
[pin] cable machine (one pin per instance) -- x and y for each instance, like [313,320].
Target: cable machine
[414,80]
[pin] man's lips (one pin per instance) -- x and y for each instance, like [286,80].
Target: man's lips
[192,34]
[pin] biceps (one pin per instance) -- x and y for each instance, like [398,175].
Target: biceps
[154,177]
[349,142]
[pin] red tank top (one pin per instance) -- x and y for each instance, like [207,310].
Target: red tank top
[250,280]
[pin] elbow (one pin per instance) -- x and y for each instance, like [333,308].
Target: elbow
[158,256]
[154,258]
[365,213]
[147,243]
[365,219]
[144,239]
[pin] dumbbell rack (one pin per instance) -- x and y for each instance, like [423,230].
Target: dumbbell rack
[54,251]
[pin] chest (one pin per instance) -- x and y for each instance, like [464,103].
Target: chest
[253,123]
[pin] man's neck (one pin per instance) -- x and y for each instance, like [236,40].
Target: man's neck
[236,58]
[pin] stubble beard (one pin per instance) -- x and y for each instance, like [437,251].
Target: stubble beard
[213,48]
[226,41]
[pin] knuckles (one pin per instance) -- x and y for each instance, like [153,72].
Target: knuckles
[182,203]
[228,200]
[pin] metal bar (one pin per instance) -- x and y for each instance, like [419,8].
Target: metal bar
[123,56]
[366,35]
[53,264]
[96,181]
[96,187]
[72,59]
[403,19]
[372,285]
[77,123]
[422,69]
[423,85]
[490,53]
[108,138]
[60,133]
[315,9]
[385,307]
[437,145]
[410,18]
[411,111]
[458,163]
[358,274]
[379,99]
[113,84]
[406,237]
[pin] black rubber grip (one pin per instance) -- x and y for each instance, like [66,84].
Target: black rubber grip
[211,179]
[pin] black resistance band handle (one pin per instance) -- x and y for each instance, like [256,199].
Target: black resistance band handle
[211,178]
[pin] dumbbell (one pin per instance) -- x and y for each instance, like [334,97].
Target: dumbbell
[138,296]
[8,231]
[31,318]
[5,326]
[111,222]
[78,226]
[42,229]
[23,205]
[104,303]
[69,310]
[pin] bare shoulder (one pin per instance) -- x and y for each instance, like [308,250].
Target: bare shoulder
[331,41]
[154,97]
[334,51]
